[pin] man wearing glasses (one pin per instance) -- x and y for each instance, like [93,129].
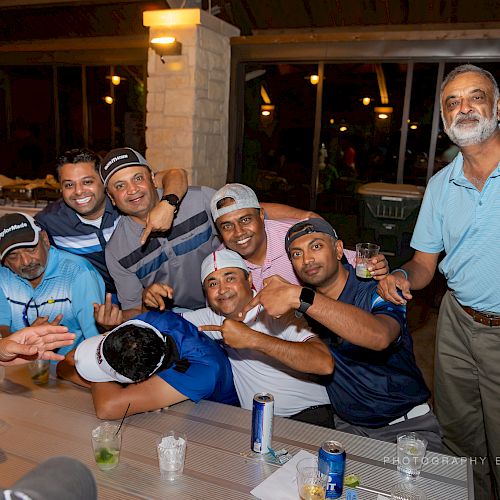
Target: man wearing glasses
[40,284]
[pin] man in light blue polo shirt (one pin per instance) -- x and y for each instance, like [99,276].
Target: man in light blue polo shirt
[460,215]
[40,284]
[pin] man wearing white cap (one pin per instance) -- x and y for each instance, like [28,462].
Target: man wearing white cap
[40,283]
[161,357]
[261,242]
[276,355]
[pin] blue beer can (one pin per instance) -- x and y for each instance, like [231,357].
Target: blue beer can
[262,422]
[331,461]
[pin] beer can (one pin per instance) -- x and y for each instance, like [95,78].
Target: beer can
[331,461]
[262,422]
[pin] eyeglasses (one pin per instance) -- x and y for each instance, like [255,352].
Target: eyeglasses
[37,307]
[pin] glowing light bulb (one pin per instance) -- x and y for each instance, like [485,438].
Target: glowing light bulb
[366,101]
[314,79]
[108,99]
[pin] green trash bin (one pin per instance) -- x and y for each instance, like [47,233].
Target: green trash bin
[390,211]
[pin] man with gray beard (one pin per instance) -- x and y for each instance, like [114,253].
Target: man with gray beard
[460,215]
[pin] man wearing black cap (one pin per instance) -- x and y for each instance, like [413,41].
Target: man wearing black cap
[84,219]
[377,389]
[172,257]
[161,358]
[40,283]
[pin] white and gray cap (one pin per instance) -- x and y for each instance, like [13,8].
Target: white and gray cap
[243,196]
[221,259]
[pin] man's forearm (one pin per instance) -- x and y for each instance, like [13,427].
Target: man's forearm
[131,313]
[67,371]
[307,357]
[421,269]
[173,181]
[353,324]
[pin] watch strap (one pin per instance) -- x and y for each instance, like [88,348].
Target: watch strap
[306,299]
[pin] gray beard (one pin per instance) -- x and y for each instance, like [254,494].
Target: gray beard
[469,135]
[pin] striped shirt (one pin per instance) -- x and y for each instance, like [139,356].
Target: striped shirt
[67,232]
[173,258]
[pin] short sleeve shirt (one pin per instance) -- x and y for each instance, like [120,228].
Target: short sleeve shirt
[465,223]
[209,375]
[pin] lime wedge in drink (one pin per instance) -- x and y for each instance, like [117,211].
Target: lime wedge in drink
[352,480]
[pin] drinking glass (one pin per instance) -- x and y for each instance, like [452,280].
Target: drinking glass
[171,454]
[364,253]
[106,443]
[411,452]
[311,482]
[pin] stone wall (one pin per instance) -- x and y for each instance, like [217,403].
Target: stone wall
[188,96]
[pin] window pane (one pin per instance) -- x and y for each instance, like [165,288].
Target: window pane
[280,104]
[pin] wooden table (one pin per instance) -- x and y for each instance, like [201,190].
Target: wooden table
[40,422]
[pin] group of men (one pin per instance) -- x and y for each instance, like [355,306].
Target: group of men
[242,299]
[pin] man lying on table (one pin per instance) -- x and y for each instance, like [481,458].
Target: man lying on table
[377,389]
[280,356]
[153,361]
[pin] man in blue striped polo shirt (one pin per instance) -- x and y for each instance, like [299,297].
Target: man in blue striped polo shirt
[83,221]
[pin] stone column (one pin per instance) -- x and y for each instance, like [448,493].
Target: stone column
[188,95]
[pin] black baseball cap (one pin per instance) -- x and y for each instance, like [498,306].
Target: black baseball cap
[120,158]
[17,230]
[308,226]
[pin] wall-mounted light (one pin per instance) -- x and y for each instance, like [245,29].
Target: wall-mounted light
[108,99]
[383,116]
[343,128]
[383,111]
[332,121]
[366,101]
[414,126]
[166,46]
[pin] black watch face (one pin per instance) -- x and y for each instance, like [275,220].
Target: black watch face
[172,199]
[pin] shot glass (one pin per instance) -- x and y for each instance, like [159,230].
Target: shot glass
[406,490]
[411,452]
[171,454]
[311,482]
[107,443]
[39,370]
[364,253]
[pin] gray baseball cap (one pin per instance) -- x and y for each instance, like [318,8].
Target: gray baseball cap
[243,196]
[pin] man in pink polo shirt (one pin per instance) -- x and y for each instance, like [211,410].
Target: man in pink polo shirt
[261,242]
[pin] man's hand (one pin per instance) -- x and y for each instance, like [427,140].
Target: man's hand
[389,285]
[378,267]
[108,315]
[160,218]
[44,320]
[234,333]
[153,296]
[34,342]
[277,296]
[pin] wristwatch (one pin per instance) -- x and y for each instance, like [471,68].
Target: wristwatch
[173,200]
[306,299]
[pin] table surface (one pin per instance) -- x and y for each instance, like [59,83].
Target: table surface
[39,422]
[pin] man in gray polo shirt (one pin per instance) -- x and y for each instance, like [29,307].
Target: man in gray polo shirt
[172,258]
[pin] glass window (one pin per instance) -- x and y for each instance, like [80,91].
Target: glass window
[279,115]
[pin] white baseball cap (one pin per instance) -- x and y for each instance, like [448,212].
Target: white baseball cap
[221,259]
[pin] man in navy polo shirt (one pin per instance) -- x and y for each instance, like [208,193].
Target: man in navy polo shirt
[84,219]
[377,389]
